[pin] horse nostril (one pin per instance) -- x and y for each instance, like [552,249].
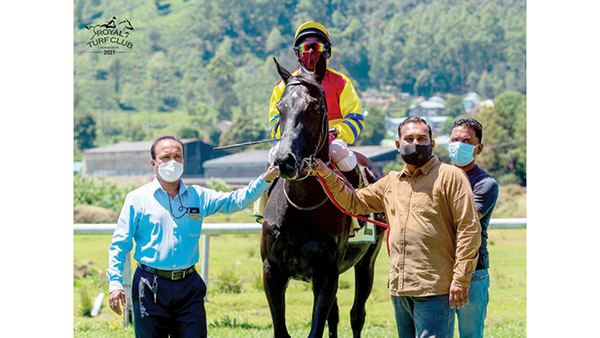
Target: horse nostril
[287,164]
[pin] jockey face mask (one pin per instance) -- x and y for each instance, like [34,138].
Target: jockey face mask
[309,52]
[309,60]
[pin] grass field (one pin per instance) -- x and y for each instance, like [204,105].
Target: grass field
[235,266]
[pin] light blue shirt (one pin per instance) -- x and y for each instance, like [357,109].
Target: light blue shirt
[163,241]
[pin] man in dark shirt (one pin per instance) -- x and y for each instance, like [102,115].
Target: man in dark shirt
[465,145]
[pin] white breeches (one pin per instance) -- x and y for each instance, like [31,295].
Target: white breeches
[341,156]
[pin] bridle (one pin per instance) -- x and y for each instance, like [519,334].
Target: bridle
[309,162]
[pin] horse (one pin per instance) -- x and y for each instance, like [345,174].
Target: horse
[304,236]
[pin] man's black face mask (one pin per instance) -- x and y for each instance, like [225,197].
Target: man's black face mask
[415,154]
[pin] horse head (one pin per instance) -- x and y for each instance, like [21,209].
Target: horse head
[303,122]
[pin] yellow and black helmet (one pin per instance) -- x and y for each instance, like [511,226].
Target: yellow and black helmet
[316,29]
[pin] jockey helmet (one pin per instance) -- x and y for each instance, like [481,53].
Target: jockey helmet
[313,28]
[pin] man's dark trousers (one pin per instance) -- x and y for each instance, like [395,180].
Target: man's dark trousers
[179,308]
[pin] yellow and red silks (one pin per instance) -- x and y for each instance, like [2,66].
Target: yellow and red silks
[343,106]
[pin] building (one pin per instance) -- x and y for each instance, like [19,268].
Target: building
[425,109]
[430,111]
[434,121]
[130,161]
[471,102]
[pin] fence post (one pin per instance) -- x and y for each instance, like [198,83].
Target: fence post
[205,251]
[128,308]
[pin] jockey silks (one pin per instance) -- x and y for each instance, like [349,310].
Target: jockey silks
[343,106]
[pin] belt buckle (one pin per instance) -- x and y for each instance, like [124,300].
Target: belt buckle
[178,272]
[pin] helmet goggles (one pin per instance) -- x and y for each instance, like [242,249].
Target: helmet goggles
[317,47]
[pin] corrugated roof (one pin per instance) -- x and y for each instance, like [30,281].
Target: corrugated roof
[125,147]
[436,99]
[432,105]
[260,156]
[252,156]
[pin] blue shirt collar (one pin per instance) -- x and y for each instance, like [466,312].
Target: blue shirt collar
[156,186]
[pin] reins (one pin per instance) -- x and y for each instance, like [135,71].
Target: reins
[381,224]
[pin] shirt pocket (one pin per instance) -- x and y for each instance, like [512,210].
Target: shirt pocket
[424,203]
[193,227]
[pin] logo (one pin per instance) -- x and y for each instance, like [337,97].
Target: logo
[111,37]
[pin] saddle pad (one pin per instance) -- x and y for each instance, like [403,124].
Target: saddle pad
[365,235]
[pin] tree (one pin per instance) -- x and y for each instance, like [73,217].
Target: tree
[504,138]
[243,129]
[275,41]
[115,71]
[221,79]
[188,132]
[136,132]
[374,129]
[453,106]
[156,76]
[222,67]
[486,85]
[85,131]
[422,85]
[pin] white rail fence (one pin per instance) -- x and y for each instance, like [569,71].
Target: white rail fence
[209,229]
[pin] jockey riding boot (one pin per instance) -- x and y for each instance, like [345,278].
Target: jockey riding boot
[355,178]
[259,207]
[260,204]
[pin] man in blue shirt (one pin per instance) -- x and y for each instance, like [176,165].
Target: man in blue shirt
[465,145]
[164,218]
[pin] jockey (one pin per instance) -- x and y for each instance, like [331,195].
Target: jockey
[343,105]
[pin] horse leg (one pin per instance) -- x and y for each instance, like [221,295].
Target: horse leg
[333,318]
[275,284]
[364,272]
[324,289]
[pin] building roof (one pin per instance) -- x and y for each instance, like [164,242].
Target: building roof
[252,156]
[432,105]
[436,99]
[472,97]
[260,156]
[125,147]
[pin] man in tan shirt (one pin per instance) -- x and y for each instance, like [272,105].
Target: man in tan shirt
[434,232]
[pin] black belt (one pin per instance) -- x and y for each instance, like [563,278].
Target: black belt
[171,274]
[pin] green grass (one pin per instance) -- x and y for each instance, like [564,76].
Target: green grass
[246,314]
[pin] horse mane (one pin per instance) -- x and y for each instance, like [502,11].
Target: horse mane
[308,81]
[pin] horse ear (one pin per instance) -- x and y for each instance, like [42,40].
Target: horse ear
[320,69]
[285,75]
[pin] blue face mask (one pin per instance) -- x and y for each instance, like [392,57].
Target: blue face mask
[461,153]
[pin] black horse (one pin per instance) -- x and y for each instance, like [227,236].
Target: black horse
[304,236]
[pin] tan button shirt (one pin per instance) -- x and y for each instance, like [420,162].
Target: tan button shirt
[434,229]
